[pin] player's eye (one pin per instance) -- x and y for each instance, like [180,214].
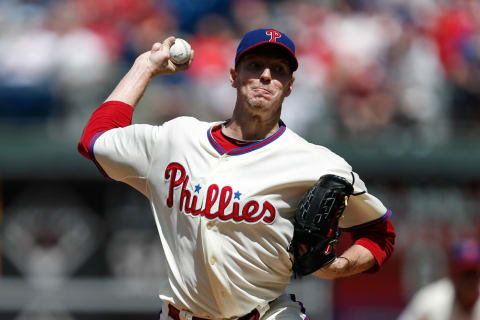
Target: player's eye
[279,69]
[254,66]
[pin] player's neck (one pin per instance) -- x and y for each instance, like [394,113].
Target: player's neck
[246,127]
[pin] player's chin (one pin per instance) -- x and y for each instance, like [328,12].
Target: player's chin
[260,105]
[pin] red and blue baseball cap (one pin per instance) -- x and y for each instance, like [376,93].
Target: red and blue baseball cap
[259,37]
[465,255]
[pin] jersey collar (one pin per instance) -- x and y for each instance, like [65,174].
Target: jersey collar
[248,148]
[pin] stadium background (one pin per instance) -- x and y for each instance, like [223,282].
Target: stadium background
[391,85]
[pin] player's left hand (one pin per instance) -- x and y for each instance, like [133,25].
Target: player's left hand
[315,226]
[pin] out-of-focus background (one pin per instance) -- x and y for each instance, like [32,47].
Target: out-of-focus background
[391,85]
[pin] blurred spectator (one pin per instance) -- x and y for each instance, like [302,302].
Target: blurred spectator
[81,60]
[50,63]
[419,79]
[26,64]
[457,36]
[214,45]
[189,12]
[80,55]
[359,40]
[455,297]
[250,14]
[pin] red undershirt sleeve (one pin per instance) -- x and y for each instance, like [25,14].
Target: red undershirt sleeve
[379,239]
[109,115]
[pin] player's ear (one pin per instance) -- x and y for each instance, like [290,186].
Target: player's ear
[233,78]
[289,86]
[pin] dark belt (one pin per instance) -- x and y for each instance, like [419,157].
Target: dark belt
[174,313]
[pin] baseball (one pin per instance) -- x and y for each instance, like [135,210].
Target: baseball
[180,51]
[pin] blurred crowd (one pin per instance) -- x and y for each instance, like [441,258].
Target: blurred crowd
[367,68]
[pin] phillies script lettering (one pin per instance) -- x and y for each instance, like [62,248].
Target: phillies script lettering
[248,212]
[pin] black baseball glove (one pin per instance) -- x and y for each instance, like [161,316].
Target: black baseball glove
[316,224]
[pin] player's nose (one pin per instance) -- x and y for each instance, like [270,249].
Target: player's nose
[266,74]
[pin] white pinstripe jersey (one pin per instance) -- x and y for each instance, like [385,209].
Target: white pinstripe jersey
[224,218]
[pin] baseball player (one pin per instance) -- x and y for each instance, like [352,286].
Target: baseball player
[223,194]
[455,296]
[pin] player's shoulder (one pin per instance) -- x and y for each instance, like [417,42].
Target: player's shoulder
[183,126]
[441,287]
[184,121]
[296,143]
[186,124]
[435,295]
[178,124]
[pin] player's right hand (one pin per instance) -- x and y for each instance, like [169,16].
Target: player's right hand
[158,58]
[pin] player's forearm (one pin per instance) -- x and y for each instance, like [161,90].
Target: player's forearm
[355,260]
[132,86]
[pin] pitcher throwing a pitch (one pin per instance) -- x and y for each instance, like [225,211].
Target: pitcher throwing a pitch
[225,194]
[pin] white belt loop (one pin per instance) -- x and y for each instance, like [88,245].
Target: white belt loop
[184,315]
[262,309]
[164,314]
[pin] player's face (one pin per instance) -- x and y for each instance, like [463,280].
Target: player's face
[467,287]
[262,79]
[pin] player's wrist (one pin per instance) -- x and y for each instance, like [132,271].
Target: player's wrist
[336,269]
[144,64]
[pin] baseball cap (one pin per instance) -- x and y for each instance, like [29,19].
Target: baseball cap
[465,255]
[255,38]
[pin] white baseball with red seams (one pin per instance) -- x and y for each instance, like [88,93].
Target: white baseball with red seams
[180,51]
[224,219]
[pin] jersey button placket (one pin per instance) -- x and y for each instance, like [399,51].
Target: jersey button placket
[210,225]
